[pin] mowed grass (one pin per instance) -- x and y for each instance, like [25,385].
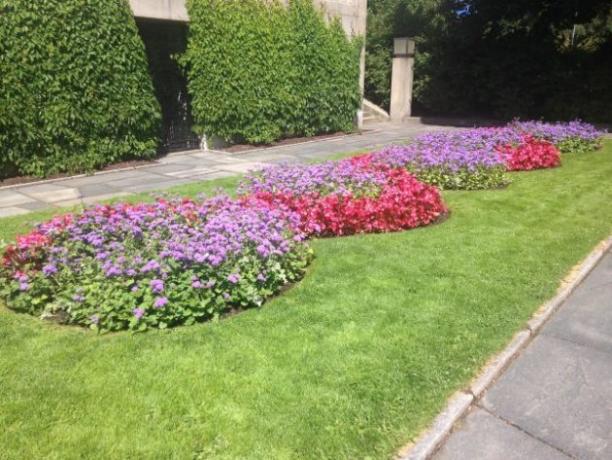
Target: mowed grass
[353,362]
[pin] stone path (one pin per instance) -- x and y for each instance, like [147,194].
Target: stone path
[187,167]
[555,400]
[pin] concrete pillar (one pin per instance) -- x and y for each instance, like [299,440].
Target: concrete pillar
[402,78]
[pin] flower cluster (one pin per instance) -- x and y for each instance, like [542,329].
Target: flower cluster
[154,265]
[450,159]
[530,154]
[341,177]
[571,137]
[478,158]
[401,203]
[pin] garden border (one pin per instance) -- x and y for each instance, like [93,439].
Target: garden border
[459,404]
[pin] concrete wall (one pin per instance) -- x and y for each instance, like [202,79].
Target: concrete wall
[353,13]
[169,10]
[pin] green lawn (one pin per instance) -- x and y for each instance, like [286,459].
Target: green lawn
[351,363]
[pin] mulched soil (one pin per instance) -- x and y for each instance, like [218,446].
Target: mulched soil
[246,148]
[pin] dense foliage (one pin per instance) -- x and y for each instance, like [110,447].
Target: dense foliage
[259,71]
[153,265]
[530,58]
[75,92]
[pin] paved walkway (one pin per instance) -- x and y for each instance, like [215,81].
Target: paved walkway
[555,400]
[187,167]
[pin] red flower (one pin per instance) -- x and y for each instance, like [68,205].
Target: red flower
[530,154]
[403,203]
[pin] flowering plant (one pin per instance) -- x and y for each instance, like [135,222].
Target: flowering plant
[401,203]
[530,154]
[341,177]
[154,265]
[470,159]
[570,137]
[449,160]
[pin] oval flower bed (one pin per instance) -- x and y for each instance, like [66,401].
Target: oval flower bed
[153,265]
[346,197]
[170,263]
[478,158]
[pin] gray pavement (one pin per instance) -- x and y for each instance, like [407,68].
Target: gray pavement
[555,400]
[193,166]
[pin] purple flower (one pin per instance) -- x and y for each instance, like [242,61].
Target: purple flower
[78,298]
[157,286]
[196,284]
[151,265]
[160,302]
[95,319]
[24,286]
[113,271]
[138,312]
[233,278]
[210,284]
[49,269]
[261,278]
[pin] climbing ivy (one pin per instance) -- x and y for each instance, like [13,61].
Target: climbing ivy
[260,70]
[75,92]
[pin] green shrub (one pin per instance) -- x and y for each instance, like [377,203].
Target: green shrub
[259,71]
[75,92]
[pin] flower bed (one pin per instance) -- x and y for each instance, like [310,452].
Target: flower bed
[571,137]
[169,263]
[153,265]
[346,197]
[478,158]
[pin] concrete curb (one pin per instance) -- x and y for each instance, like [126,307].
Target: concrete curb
[460,403]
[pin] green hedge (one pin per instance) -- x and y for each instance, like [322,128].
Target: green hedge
[75,92]
[259,70]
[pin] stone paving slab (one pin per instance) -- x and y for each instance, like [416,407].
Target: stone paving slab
[559,390]
[153,186]
[50,193]
[9,198]
[187,173]
[13,211]
[92,190]
[189,167]
[486,437]
[561,393]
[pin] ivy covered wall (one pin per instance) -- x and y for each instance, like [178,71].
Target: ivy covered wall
[260,70]
[75,92]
